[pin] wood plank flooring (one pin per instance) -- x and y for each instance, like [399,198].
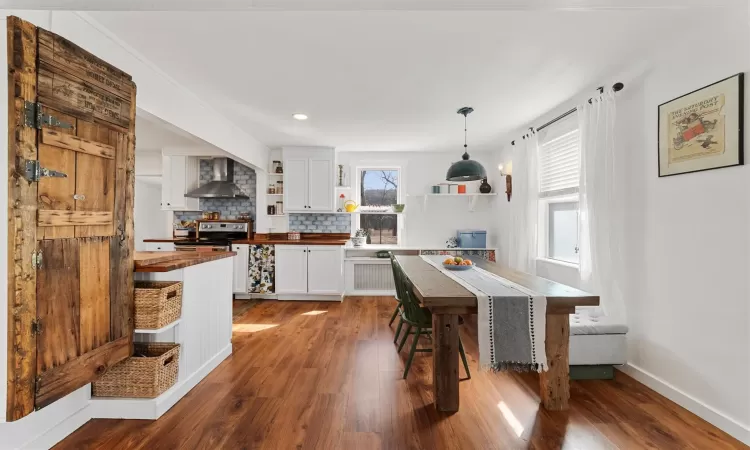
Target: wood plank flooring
[310,375]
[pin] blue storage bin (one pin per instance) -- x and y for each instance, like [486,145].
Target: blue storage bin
[472,238]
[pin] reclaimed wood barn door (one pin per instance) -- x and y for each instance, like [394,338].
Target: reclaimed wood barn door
[70,236]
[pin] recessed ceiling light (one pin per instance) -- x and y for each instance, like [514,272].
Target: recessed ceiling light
[299,116]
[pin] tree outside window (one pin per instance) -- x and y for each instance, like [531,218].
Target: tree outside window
[379,187]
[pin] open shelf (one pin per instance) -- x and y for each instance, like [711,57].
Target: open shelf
[274,195]
[473,196]
[160,330]
[276,215]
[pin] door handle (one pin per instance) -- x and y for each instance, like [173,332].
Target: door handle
[79,197]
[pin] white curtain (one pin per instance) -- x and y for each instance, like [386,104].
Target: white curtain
[599,224]
[524,210]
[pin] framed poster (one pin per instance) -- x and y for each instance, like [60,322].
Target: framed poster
[702,130]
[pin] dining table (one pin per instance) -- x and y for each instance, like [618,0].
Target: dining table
[447,300]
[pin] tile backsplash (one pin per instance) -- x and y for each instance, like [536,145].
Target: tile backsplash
[320,223]
[230,208]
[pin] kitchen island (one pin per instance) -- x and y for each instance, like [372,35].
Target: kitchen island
[204,331]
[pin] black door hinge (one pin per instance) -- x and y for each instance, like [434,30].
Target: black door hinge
[35,171]
[34,117]
[36,326]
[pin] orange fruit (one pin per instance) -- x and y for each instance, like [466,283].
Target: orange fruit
[468,262]
[448,261]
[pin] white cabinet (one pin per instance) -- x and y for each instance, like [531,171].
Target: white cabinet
[314,269]
[320,184]
[159,246]
[295,184]
[180,175]
[324,269]
[308,180]
[291,269]
[241,268]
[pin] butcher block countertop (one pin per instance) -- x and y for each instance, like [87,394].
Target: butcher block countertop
[169,261]
[278,239]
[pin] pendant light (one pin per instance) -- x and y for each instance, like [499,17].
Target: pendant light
[466,169]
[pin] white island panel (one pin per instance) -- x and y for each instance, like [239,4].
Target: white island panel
[204,333]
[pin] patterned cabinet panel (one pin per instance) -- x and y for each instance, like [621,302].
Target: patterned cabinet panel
[261,269]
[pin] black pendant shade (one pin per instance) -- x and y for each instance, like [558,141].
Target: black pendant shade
[466,169]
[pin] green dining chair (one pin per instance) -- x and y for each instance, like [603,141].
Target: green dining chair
[399,296]
[417,318]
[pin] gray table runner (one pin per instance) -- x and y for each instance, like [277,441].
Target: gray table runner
[511,319]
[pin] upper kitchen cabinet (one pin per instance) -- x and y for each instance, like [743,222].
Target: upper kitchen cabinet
[180,175]
[308,179]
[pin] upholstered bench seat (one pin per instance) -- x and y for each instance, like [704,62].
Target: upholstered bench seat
[596,340]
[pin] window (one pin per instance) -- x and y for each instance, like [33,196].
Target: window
[559,173]
[379,188]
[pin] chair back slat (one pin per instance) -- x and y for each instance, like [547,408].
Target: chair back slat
[396,279]
[405,289]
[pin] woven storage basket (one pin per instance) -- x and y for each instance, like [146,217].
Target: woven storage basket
[157,303]
[151,371]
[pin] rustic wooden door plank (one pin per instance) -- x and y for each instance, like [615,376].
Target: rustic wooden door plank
[22,206]
[94,273]
[95,190]
[77,144]
[122,245]
[57,193]
[60,381]
[73,96]
[56,218]
[57,298]
[65,56]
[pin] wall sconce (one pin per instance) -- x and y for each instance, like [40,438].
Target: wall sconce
[508,178]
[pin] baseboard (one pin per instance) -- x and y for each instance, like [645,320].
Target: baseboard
[153,408]
[62,430]
[720,420]
[311,297]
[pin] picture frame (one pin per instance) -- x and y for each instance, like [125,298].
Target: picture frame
[704,129]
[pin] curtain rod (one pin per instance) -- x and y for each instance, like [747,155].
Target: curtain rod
[615,87]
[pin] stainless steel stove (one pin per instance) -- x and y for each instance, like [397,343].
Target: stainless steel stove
[216,235]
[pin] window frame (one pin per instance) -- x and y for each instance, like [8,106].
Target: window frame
[400,197]
[547,198]
[543,241]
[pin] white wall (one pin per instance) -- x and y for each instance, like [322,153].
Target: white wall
[150,221]
[687,239]
[443,216]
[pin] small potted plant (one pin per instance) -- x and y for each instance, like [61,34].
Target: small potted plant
[360,237]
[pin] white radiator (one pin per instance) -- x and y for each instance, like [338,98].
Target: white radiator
[369,277]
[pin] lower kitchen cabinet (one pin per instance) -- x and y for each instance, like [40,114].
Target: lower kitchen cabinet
[324,270]
[314,269]
[240,269]
[291,269]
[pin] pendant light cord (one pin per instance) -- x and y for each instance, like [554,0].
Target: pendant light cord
[466,136]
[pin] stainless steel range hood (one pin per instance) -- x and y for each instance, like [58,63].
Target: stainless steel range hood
[221,184]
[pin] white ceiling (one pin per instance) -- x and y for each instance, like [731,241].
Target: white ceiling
[392,80]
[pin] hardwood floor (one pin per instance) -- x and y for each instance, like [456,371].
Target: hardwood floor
[328,376]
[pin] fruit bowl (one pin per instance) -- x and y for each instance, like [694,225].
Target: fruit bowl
[457,263]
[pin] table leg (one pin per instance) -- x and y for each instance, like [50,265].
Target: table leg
[445,363]
[554,385]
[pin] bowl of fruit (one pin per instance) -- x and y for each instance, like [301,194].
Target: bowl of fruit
[458,263]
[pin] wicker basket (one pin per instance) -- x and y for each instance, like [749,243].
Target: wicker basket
[157,303]
[151,371]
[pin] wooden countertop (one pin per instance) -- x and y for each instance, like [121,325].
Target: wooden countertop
[185,259]
[313,241]
[278,239]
